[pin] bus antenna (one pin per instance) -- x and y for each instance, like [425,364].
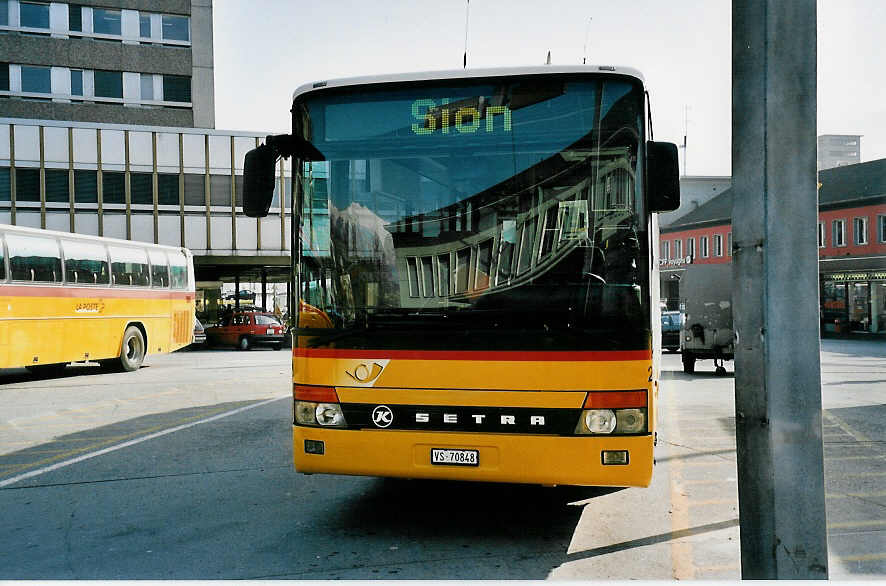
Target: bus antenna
[548,62]
[467,17]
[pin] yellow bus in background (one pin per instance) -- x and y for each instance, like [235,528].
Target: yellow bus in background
[476,255]
[70,298]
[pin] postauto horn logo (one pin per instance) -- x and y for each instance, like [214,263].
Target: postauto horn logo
[366,373]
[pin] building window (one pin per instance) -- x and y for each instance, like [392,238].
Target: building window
[718,245]
[141,188]
[76,82]
[704,247]
[27,184]
[678,248]
[85,186]
[729,244]
[57,186]
[4,77]
[144,25]
[665,250]
[881,223]
[108,84]
[106,22]
[690,247]
[4,13]
[838,232]
[176,28]
[113,187]
[860,231]
[822,238]
[37,80]
[33,15]
[75,17]
[167,189]
[176,88]
[147,86]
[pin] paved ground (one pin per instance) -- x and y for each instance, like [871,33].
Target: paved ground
[203,486]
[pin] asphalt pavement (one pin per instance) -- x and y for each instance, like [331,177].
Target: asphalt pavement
[183,470]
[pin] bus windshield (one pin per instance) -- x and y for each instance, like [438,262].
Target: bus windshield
[489,214]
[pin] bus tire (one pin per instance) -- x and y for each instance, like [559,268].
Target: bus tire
[688,362]
[244,343]
[132,352]
[278,346]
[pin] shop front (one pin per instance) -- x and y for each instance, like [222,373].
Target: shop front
[853,301]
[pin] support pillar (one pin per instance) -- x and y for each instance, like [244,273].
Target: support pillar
[775,296]
[264,289]
[237,292]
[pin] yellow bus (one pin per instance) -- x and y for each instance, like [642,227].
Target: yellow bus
[70,298]
[474,253]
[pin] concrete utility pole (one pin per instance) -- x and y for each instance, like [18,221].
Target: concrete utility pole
[775,299]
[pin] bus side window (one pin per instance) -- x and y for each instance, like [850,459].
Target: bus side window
[159,269]
[129,266]
[34,258]
[85,262]
[178,270]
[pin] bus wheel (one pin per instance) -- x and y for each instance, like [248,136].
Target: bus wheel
[244,343]
[47,369]
[688,362]
[133,352]
[278,346]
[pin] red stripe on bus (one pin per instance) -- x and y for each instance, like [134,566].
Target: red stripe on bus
[505,355]
[92,292]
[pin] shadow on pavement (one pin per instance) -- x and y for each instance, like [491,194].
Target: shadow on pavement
[652,540]
[680,375]
[492,530]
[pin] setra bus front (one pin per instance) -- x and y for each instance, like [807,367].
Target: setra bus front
[475,267]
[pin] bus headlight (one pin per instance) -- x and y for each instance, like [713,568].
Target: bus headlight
[630,420]
[330,415]
[611,422]
[304,413]
[599,420]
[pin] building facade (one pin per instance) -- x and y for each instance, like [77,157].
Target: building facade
[695,191]
[851,244]
[143,62]
[836,150]
[167,185]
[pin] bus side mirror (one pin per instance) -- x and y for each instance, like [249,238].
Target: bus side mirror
[259,171]
[258,180]
[662,176]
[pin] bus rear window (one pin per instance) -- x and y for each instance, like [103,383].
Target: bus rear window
[32,258]
[159,269]
[178,270]
[86,263]
[129,266]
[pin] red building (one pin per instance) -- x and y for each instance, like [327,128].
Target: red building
[851,242]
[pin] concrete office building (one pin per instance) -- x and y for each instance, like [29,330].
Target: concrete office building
[106,127]
[146,62]
[167,185]
[836,150]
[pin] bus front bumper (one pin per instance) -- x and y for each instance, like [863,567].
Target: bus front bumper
[532,459]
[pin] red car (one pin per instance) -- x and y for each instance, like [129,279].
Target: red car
[246,329]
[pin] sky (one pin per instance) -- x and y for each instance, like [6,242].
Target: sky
[264,49]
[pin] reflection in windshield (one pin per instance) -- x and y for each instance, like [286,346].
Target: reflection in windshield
[485,217]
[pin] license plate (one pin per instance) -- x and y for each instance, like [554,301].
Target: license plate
[455,457]
[270,331]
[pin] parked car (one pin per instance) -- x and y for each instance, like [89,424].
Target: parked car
[245,329]
[671,321]
[199,334]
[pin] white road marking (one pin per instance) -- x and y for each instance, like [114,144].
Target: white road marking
[133,442]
